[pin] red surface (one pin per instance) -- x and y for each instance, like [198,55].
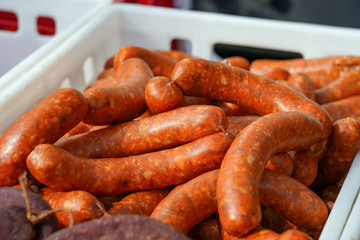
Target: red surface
[46,26]
[8,21]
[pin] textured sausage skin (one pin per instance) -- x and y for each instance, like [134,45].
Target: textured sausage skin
[199,77]
[83,205]
[45,123]
[347,107]
[80,128]
[345,86]
[294,234]
[281,162]
[189,203]
[305,166]
[64,171]
[232,109]
[259,233]
[304,83]
[206,230]
[342,147]
[162,95]
[321,70]
[274,221]
[292,200]
[290,85]
[161,131]
[160,64]
[142,203]
[277,73]
[122,102]
[238,197]
[175,54]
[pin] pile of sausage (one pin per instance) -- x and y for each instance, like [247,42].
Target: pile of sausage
[201,149]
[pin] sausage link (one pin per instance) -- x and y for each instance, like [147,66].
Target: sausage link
[154,133]
[80,128]
[232,109]
[107,73]
[244,162]
[238,123]
[345,86]
[322,71]
[162,95]
[237,61]
[259,233]
[199,77]
[281,162]
[190,100]
[292,200]
[206,230]
[305,166]
[294,234]
[342,147]
[189,203]
[83,205]
[347,107]
[175,54]
[304,83]
[291,86]
[64,171]
[109,62]
[274,221]
[160,64]
[277,73]
[45,123]
[123,102]
[142,203]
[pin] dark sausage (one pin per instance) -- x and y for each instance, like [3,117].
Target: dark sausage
[45,123]
[238,202]
[149,134]
[64,171]
[281,162]
[175,54]
[305,166]
[206,230]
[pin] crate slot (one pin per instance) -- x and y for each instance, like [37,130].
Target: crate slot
[181,45]
[46,26]
[8,21]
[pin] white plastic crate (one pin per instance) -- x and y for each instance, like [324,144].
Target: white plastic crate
[77,61]
[21,49]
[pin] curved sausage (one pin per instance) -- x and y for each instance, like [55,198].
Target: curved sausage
[83,205]
[274,221]
[305,166]
[160,64]
[237,61]
[175,54]
[290,85]
[64,171]
[232,109]
[347,107]
[190,100]
[123,102]
[45,123]
[199,77]
[277,73]
[161,131]
[294,234]
[78,129]
[281,162]
[142,203]
[342,147]
[238,197]
[162,95]
[189,203]
[304,83]
[322,71]
[345,86]
[259,233]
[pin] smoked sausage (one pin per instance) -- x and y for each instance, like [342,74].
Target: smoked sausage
[305,166]
[45,123]
[347,107]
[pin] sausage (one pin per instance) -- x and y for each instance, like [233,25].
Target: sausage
[232,109]
[305,166]
[237,61]
[45,123]
[277,73]
[291,86]
[199,77]
[259,233]
[322,71]
[80,128]
[206,230]
[281,162]
[274,221]
[153,133]
[348,84]
[104,82]
[190,100]
[196,198]
[242,120]
[109,63]
[14,198]
[304,83]
[125,227]
[294,234]
[292,200]
[123,102]
[342,147]
[162,95]
[83,205]
[238,202]
[160,64]
[142,203]
[175,54]
[145,114]
[107,73]
[109,201]
[64,171]
[347,107]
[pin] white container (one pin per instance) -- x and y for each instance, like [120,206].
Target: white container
[21,49]
[77,61]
